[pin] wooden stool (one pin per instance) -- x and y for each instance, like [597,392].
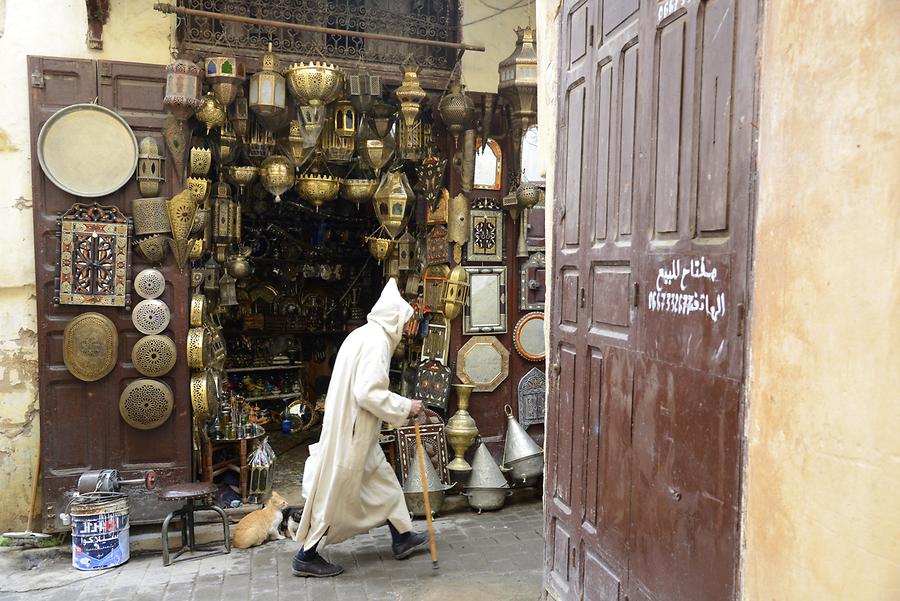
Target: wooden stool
[189,493]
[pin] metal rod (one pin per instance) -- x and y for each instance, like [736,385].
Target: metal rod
[169,9]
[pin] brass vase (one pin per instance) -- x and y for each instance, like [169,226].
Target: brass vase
[461,429]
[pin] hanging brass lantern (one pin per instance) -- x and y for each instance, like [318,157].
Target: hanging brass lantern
[410,94]
[379,246]
[364,89]
[456,289]
[227,291]
[456,110]
[383,116]
[268,98]
[315,84]
[296,143]
[277,175]
[261,143]
[338,137]
[183,88]
[149,170]
[406,252]
[242,176]
[211,113]
[226,149]
[224,222]
[375,150]
[392,199]
[411,140]
[358,191]
[226,75]
[317,189]
[518,84]
[211,277]
[239,115]
[458,222]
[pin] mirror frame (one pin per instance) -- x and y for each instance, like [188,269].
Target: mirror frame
[462,362]
[485,209]
[498,152]
[469,325]
[534,262]
[517,337]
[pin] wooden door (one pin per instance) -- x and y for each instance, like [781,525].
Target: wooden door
[81,428]
[654,171]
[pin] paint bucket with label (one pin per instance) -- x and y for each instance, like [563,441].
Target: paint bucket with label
[99,530]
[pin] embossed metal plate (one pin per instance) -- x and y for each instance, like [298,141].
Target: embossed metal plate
[90,346]
[146,404]
[154,355]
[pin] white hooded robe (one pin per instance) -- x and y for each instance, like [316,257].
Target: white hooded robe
[348,484]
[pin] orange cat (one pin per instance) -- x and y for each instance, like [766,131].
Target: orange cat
[261,525]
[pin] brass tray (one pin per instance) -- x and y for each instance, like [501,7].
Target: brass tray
[154,355]
[87,150]
[146,404]
[90,346]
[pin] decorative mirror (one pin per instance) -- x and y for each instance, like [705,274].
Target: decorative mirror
[483,362]
[485,232]
[533,286]
[436,345]
[531,164]
[532,390]
[488,165]
[433,384]
[529,337]
[435,277]
[485,310]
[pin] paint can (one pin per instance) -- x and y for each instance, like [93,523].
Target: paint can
[100,530]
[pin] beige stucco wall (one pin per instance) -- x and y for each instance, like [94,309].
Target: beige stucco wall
[53,28]
[823,481]
[495,30]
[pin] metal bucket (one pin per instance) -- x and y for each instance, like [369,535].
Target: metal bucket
[99,530]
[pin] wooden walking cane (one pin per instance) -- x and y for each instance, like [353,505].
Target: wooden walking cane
[421,453]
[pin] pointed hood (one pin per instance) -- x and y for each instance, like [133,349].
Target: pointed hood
[391,312]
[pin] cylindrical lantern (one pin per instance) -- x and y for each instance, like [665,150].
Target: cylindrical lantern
[518,85]
[149,170]
[456,289]
[267,88]
[183,87]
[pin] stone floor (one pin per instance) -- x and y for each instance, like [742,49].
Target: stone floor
[489,557]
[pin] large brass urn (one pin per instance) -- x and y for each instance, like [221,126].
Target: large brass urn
[461,429]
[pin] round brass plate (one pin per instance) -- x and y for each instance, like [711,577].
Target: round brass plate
[146,404]
[87,150]
[90,346]
[150,316]
[154,355]
[149,283]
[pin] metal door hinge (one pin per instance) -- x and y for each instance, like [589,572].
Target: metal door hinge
[740,326]
[636,294]
[37,78]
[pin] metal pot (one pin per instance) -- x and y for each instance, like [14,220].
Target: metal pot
[526,471]
[415,502]
[486,499]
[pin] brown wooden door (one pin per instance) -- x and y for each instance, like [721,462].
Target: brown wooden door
[654,171]
[81,428]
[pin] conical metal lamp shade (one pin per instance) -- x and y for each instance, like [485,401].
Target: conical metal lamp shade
[485,472]
[518,444]
[413,482]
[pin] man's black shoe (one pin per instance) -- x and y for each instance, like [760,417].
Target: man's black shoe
[315,568]
[409,545]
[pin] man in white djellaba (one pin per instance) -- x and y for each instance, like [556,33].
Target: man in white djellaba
[348,485]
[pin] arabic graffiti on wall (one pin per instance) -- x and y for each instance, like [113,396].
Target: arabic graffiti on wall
[675,291]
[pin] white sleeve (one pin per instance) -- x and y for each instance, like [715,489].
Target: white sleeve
[370,388]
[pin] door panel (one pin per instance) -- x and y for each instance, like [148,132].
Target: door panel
[80,424]
[650,264]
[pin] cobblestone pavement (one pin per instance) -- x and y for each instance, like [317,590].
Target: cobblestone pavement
[490,557]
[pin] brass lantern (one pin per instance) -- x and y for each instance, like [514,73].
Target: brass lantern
[460,215]
[456,110]
[375,150]
[211,277]
[277,175]
[225,219]
[227,291]
[315,84]
[410,94]
[338,138]
[239,114]
[149,169]
[392,199]
[268,97]
[311,123]
[211,112]
[456,288]
[406,252]
[226,149]
[411,140]
[379,247]
[364,89]
[183,88]
[518,84]
[297,144]
[226,76]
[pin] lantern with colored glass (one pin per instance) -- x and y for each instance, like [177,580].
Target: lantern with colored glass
[226,76]
[268,96]
[183,87]
[518,84]
[149,169]
[456,288]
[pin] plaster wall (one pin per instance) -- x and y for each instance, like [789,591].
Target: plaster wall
[135,32]
[490,23]
[823,475]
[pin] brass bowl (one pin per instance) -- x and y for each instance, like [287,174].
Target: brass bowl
[318,189]
[315,83]
[243,175]
[359,190]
